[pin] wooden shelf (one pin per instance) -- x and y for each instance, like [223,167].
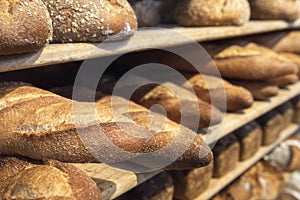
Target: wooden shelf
[234,121]
[143,39]
[114,182]
[217,185]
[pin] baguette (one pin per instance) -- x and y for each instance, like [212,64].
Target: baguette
[25,26]
[57,137]
[210,88]
[22,179]
[277,9]
[212,13]
[259,89]
[91,21]
[252,63]
[285,80]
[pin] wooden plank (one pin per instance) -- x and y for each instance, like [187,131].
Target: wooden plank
[217,185]
[144,39]
[114,182]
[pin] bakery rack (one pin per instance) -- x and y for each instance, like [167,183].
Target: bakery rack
[114,182]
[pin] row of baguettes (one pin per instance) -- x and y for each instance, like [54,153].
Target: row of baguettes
[212,13]
[239,146]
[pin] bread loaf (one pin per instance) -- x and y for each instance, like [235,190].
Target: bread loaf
[57,137]
[210,88]
[288,42]
[22,179]
[91,21]
[260,90]
[158,188]
[180,105]
[272,124]
[277,9]
[147,12]
[226,155]
[252,63]
[287,112]
[189,184]
[25,26]
[285,80]
[296,103]
[250,138]
[212,13]
[294,144]
[294,58]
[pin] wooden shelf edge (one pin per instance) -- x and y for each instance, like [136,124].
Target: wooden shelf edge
[143,39]
[217,185]
[233,121]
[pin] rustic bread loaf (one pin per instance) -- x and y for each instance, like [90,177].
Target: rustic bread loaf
[296,103]
[260,90]
[56,136]
[277,9]
[285,80]
[91,21]
[250,138]
[147,12]
[226,155]
[158,188]
[252,62]
[294,58]
[287,112]
[25,26]
[288,42]
[272,124]
[189,184]
[210,88]
[212,13]
[22,179]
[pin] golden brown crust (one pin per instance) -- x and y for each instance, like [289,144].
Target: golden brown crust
[252,63]
[294,58]
[25,26]
[91,21]
[210,87]
[213,12]
[288,42]
[285,80]
[276,9]
[54,180]
[57,137]
[259,89]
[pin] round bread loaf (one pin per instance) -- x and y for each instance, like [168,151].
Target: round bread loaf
[91,21]
[25,26]
[212,13]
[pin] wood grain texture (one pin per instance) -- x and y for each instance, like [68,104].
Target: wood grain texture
[144,39]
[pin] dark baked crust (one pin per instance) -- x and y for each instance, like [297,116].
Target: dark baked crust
[25,26]
[91,21]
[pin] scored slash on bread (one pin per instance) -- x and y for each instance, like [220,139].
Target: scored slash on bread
[41,125]
[24,179]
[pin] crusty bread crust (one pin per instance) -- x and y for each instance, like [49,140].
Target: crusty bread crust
[91,21]
[25,26]
[23,179]
[212,12]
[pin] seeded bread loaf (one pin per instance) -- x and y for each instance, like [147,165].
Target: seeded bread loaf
[24,179]
[277,9]
[60,135]
[214,12]
[259,89]
[91,21]
[25,26]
